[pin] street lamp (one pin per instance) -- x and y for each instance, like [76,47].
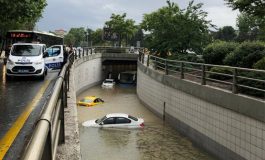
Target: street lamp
[87,34]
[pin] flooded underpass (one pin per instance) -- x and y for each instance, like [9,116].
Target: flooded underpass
[156,141]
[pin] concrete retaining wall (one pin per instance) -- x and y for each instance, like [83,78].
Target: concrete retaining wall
[87,72]
[227,125]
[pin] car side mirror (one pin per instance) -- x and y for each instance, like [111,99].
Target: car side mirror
[45,54]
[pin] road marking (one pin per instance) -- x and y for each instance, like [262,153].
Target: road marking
[10,136]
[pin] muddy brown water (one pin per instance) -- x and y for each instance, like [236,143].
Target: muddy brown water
[156,141]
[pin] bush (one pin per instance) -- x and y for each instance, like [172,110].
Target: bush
[260,64]
[246,54]
[186,57]
[221,70]
[251,83]
[215,52]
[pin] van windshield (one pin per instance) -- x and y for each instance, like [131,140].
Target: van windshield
[26,50]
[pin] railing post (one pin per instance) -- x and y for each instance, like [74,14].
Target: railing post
[67,78]
[166,67]
[147,62]
[61,116]
[181,70]
[75,55]
[83,54]
[155,67]
[203,75]
[234,87]
[48,150]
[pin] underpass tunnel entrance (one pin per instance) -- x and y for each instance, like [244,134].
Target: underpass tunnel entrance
[112,69]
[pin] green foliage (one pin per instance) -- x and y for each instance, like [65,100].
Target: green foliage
[75,36]
[246,54]
[174,30]
[138,36]
[97,37]
[221,70]
[215,52]
[69,39]
[186,57]
[227,33]
[251,7]
[260,64]
[22,14]
[251,83]
[124,27]
[250,28]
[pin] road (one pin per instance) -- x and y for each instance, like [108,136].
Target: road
[22,100]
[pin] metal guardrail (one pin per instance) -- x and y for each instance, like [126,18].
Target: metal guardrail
[81,52]
[49,129]
[237,80]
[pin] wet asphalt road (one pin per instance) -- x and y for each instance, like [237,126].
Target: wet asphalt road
[15,95]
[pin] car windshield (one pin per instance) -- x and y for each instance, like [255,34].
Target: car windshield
[108,81]
[134,118]
[26,50]
[101,119]
[86,100]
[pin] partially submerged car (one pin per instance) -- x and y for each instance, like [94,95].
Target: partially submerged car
[90,101]
[108,83]
[118,120]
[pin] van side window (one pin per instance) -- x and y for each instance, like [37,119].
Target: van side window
[54,51]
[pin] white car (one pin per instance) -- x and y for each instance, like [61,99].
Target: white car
[118,120]
[108,83]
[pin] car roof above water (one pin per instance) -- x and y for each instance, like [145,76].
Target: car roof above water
[117,115]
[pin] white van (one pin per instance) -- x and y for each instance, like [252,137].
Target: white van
[26,59]
[55,57]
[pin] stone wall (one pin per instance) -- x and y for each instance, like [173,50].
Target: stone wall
[227,125]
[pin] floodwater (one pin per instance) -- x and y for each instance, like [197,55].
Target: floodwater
[156,141]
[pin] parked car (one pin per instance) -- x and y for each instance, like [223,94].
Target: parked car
[118,120]
[108,83]
[90,101]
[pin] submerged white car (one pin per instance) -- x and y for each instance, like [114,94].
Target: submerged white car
[118,120]
[108,83]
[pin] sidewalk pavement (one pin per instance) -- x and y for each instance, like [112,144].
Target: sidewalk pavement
[70,150]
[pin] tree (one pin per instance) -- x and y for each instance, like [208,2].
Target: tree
[69,39]
[76,36]
[251,7]
[250,28]
[246,26]
[125,28]
[138,36]
[226,33]
[22,14]
[174,30]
